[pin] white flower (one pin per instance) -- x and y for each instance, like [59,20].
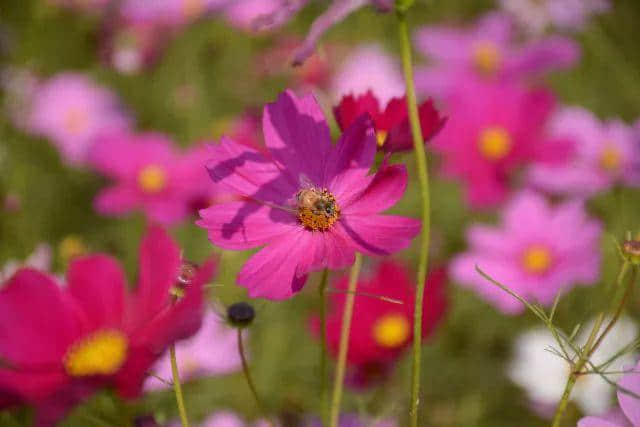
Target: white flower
[543,374]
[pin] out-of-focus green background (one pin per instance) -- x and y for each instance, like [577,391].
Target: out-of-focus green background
[463,368]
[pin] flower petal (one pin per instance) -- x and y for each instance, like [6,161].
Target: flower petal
[351,107]
[116,200]
[630,405]
[381,191]
[297,135]
[245,225]
[379,234]
[98,283]
[38,320]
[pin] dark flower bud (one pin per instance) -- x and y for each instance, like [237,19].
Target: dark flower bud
[631,251]
[240,314]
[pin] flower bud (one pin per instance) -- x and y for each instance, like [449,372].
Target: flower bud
[240,314]
[186,272]
[631,251]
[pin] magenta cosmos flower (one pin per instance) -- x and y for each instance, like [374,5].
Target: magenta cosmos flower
[493,130]
[604,154]
[71,111]
[538,251]
[487,50]
[629,413]
[151,175]
[311,204]
[59,344]
[212,351]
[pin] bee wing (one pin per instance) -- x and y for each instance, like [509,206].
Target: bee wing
[305,182]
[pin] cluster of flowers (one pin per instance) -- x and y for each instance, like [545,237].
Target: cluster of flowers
[310,205]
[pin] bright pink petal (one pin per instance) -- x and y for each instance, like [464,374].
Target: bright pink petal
[38,320]
[98,283]
[159,267]
[297,135]
[351,159]
[245,225]
[33,385]
[379,234]
[542,55]
[272,272]
[116,200]
[381,191]
[351,107]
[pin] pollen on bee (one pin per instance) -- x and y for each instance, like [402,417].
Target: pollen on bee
[317,209]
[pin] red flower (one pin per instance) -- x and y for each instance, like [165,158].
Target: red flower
[61,344]
[381,330]
[392,125]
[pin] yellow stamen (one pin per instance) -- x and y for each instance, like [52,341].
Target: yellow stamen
[381,137]
[537,259]
[392,330]
[70,247]
[494,143]
[101,353]
[610,158]
[75,121]
[317,209]
[152,179]
[486,57]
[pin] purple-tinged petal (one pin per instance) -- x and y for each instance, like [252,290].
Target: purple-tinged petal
[629,404]
[540,56]
[336,12]
[608,420]
[245,225]
[297,136]
[350,160]
[116,200]
[381,191]
[379,234]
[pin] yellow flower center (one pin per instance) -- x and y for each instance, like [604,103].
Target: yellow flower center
[152,179]
[101,353]
[494,143]
[536,259]
[381,137]
[75,121]
[392,330]
[317,209]
[486,57]
[70,247]
[610,158]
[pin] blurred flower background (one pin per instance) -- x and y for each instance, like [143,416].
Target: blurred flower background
[531,114]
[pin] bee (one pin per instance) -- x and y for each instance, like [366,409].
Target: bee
[318,202]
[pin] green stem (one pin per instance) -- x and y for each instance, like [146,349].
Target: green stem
[423,176]
[592,343]
[344,342]
[322,289]
[177,387]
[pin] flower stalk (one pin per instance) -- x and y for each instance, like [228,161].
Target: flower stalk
[322,290]
[344,341]
[423,177]
[593,343]
[177,387]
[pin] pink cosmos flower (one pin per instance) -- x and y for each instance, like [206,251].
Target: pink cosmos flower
[150,175]
[629,415]
[487,50]
[71,111]
[383,76]
[537,16]
[168,14]
[604,154]
[311,204]
[61,344]
[391,124]
[382,330]
[538,251]
[212,351]
[493,130]
[254,15]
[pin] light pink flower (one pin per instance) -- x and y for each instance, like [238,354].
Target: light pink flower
[493,130]
[383,76]
[151,175]
[253,15]
[488,50]
[538,251]
[604,154]
[311,204]
[537,16]
[71,111]
[167,13]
